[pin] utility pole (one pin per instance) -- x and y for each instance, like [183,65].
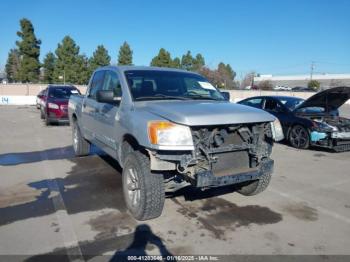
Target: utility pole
[312,67]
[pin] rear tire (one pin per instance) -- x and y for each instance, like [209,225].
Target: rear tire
[257,186]
[47,120]
[80,145]
[143,190]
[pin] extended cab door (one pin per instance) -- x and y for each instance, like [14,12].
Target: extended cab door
[90,106]
[108,118]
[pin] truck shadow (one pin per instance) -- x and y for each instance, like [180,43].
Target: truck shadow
[90,185]
[12,159]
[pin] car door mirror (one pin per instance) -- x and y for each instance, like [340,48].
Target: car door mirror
[226,95]
[107,96]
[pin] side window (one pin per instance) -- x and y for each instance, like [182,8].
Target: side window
[255,102]
[111,82]
[272,105]
[96,83]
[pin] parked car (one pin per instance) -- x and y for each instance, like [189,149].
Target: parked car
[169,129]
[54,106]
[282,88]
[40,98]
[303,89]
[311,122]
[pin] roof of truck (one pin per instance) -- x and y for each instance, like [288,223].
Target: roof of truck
[129,68]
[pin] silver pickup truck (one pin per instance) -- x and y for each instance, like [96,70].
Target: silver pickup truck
[169,129]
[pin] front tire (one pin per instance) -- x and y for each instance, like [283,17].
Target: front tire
[299,137]
[143,190]
[80,145]
[257,186]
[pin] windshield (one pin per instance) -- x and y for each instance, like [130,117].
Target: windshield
[62,92]
[291,102]
[162,85]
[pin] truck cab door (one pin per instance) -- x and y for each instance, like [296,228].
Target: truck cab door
[90,106]
[108,116]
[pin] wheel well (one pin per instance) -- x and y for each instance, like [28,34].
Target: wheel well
[132,141]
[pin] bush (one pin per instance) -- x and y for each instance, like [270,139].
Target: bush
[314,84]
[265,85]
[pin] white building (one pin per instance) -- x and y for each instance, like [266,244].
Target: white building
[326,80]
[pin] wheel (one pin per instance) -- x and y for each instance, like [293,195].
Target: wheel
[255,187]
[299,137]
[47,120]
[143,190]
[80,145]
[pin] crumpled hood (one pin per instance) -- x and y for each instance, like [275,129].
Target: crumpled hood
[200,113]
[330,99]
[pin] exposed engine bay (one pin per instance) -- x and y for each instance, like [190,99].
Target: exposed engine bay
[335,123]
[223,151]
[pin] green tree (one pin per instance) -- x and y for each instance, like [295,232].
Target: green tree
[125,55]
[163,59]
[187,61]
[314,84]
[226,75]
[198,62]
[99,58]
[176,63]
[49,66]
[69,63]
[13,66]
[29,50]
[82,70]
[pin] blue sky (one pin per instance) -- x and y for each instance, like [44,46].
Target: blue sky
[270,37]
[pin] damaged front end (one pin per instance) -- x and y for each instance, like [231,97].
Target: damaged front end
[222,155]
[331,132]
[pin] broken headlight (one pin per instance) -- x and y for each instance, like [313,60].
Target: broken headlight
[277,131]
[164,133]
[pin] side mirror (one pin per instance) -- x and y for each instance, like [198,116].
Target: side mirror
[107,96]
[226,95]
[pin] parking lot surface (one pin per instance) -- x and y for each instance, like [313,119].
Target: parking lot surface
[54,203]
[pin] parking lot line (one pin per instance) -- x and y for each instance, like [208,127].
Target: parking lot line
[68,234]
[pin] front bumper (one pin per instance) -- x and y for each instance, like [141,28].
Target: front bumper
[207,178]
[338,141]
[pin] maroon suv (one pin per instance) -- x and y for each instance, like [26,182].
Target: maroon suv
[54,108]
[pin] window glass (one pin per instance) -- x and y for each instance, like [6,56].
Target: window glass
[273,105]
[96,83]
[255,102]
[154,84]
[111,82]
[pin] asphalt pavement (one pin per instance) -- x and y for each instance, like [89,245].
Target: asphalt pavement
[54,203]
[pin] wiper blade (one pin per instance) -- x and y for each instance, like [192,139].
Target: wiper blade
[161,97]
[204,98]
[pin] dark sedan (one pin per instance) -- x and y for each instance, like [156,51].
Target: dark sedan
[55,106]
[311,122]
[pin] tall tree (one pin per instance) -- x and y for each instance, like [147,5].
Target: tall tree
[176,63]
[99,58]
[198,62]
[82,70]
[29,49]
[69,63]
[227,75]
[187,61]
[125,55]
[49,66]
[163,59]
[13,66]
